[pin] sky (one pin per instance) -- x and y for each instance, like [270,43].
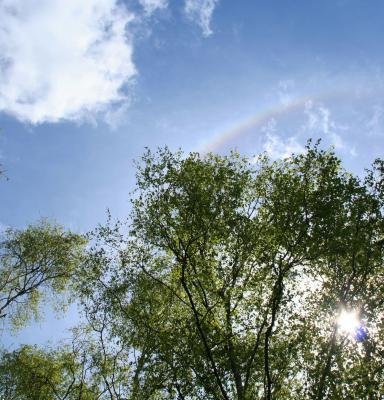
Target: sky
[86,85]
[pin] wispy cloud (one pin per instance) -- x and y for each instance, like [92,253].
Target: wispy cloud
[276,146]
[320,122]
[375,124]
[285,91]
[150,6]
[200,11]
[63,60]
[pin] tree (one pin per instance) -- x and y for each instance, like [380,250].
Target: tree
[32,374]
[232,274]
[34,263]
[239,279]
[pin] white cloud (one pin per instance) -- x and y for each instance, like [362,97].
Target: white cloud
[320,122]
[116,116]
[277,147]
[319,118]
[200,11]
[63,59]
[150,6]
[269,127]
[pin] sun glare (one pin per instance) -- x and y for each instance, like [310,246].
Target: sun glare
[349,323]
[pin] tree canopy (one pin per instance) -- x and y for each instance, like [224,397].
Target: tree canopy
[233,278]
[34,263]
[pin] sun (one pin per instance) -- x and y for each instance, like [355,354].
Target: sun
[348,322]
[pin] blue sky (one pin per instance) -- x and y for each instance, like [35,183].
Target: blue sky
[85,86]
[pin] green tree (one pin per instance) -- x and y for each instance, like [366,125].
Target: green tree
[33,374]
[229,279]
[232,272]
[88,368]
[34,263]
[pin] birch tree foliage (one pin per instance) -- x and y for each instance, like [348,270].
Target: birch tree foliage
[233,273]
[238,278]
[35,263]
[31,373]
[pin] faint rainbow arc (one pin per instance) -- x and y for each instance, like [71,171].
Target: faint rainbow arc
[218,140]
